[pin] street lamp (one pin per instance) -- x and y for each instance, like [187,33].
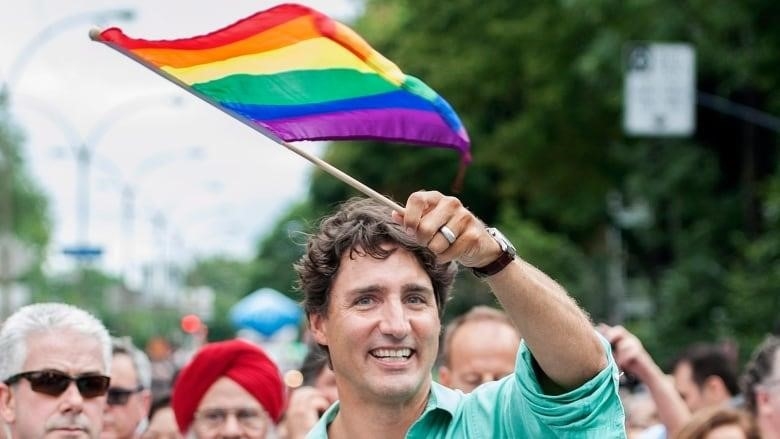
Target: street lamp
[45,34]
[85,150]
[130,186]
[6,179]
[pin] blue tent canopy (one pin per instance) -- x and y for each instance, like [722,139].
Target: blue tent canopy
[265,311]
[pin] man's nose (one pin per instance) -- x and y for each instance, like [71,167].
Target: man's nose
[71,399]
[231,427]
[394,322]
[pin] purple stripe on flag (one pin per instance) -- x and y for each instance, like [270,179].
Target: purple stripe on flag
[393,124]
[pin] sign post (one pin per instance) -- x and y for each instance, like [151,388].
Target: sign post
[660,89]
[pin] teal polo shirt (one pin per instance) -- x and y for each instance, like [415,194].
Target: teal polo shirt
[516,407]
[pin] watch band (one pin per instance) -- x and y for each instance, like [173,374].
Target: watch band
[506,257]
[494,267]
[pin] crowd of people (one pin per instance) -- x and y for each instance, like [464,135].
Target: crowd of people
[375,283]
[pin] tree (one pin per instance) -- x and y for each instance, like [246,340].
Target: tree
[229,279]
[538,85]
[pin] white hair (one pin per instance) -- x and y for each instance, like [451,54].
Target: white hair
[141,364]
[47,318]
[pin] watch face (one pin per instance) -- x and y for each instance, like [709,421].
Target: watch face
[506,246]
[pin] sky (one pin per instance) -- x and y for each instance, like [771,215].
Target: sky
[214,185]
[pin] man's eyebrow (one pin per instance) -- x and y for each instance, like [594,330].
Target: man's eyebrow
[373,288]
[413,287]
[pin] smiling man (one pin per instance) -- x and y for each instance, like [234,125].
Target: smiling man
[230,389]
[55,367]
[375,283]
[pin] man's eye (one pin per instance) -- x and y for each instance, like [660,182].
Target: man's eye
[365,300]
[214,416]
[416,299]
[246,415]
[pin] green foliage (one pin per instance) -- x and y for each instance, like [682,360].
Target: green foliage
[29,206]
[539,84]
[228,278]
[280,249]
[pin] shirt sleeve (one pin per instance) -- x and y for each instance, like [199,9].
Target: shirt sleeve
[593,408]
[523,410]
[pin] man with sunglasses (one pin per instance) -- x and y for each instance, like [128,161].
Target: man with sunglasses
[129,397]
[54,367]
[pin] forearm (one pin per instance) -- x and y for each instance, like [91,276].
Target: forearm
[672,410]
[555,329]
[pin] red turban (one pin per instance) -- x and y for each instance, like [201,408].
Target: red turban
[241,361]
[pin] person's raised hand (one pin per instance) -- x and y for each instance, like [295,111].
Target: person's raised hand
[446,227]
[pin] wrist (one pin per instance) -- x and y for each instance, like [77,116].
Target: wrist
[497,260]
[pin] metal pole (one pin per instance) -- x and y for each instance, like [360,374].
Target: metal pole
[748,114]
[83,161]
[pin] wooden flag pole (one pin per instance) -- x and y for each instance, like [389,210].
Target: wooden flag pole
[94,34]
[343,176]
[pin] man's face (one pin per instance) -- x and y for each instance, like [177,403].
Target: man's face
[121,420]
[381,328]
[768,402]
[162,425]
[481,351]
[37,415]
[690,392]
[227,410]
[326,384]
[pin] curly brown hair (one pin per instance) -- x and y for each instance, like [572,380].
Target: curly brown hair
[361,226]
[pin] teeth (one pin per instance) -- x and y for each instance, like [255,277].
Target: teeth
[392,353]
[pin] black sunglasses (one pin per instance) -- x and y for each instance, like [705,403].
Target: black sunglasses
[119,395]
[54,383]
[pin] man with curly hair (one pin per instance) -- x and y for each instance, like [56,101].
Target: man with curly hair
[375,282]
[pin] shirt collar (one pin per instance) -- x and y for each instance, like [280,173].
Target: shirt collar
[439,398]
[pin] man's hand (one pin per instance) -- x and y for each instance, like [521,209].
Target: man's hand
[630,355]
[426,212]
[306,406]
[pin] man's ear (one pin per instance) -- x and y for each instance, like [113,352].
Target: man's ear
[319,328]
[7,404]
[445,376]
[715,388]
[146,401]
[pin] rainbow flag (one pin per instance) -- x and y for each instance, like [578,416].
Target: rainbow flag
[296,74]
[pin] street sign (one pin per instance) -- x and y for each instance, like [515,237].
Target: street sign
[83,252]
[659,93]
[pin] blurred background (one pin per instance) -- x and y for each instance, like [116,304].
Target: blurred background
[629,148]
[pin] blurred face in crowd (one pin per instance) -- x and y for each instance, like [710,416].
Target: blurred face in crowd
[32,414]
[227,410]
[381,328]
[687,387]
[768,401]
[480,351]
[326,384]
[127,404]
[162,425]
[726,431]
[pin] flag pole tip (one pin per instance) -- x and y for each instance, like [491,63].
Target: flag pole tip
[94,33]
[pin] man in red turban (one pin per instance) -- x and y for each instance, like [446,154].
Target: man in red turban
[230,388]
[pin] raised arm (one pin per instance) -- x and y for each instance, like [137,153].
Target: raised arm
[631,357]
[556,330]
